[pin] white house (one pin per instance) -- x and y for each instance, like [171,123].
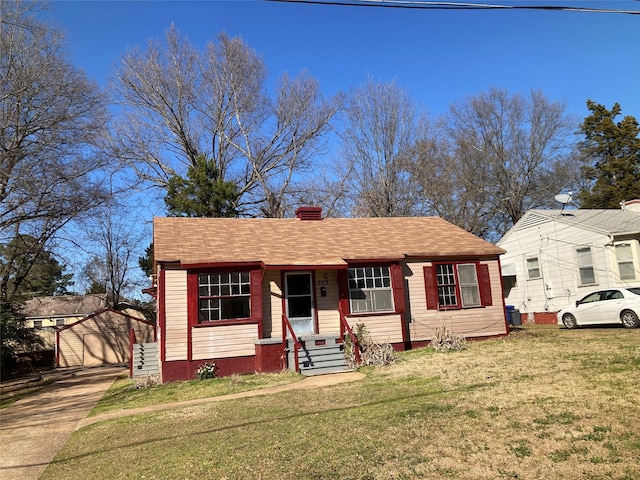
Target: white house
[555,257]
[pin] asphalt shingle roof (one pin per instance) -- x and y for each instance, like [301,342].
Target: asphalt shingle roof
[329,241]
[65,305]
[609,221]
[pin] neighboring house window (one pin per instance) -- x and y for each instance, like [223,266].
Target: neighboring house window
[624,256]
[370,289]
[533,268]
[457,285]
[223,296]
[585,266]
[37,324]
[59,322]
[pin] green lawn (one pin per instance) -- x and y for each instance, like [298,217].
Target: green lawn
[544,403]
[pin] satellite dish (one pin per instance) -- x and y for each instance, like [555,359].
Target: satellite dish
[563,198]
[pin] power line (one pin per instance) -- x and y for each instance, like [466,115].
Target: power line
[428,5]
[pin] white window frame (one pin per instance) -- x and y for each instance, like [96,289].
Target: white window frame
[538,267]
[369,281]
[586,266]
[626,261]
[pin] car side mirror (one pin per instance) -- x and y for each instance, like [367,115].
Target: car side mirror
[577,302]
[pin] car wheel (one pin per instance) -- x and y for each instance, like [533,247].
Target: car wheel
[569,321]
[629,319]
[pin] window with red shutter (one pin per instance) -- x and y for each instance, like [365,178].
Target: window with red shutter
[456,285]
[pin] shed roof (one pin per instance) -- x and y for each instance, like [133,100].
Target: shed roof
[292,241]
[64,306]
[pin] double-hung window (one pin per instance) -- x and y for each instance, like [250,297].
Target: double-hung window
[533,268]
[370,289]
[585,266]
[457,285]
[223,296]
[624,256]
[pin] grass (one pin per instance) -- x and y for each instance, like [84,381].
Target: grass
[545,403]
[123,394]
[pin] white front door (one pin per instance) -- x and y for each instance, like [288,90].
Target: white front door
[299,302]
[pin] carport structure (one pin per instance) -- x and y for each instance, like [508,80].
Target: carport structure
[101,338]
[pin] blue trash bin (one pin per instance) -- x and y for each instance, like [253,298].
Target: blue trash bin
[508,310]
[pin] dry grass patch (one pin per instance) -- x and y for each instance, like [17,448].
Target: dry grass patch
[546,403]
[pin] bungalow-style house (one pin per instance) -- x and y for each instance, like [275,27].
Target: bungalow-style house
[266,294]
[555,257]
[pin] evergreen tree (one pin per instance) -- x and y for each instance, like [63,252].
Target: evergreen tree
[612,151]
[28,269]
[203,193]
[15,337]
[146,262]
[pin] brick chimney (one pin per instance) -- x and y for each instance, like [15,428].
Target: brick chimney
[309,213]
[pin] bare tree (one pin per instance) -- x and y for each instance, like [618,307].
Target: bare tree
[181,103]
[504,154]
[51,120]
[113,245]
[382,130]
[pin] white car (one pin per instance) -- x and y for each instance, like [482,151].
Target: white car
[614,305]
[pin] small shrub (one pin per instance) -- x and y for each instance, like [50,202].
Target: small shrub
[371,353]
[444,340]
[207,370]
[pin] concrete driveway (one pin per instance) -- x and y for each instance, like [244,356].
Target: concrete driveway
[34,428]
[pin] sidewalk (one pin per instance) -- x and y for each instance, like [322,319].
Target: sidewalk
[34,428]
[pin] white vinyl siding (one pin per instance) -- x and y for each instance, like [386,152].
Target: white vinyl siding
[176,321]
[224,341]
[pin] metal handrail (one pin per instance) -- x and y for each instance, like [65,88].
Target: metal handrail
[344,327]
[286,325]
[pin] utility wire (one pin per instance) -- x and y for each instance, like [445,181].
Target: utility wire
[428,5]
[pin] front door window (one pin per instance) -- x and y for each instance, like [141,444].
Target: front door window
[299,302]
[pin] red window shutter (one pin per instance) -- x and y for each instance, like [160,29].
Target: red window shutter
[484,285]
[397,282]
[193,311]
[431,288]
[255,281]
[343,291]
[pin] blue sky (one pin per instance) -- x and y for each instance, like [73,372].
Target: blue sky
[439,56]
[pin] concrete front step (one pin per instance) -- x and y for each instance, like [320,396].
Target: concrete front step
[321,354]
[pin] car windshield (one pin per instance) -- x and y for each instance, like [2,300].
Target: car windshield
[634,290]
